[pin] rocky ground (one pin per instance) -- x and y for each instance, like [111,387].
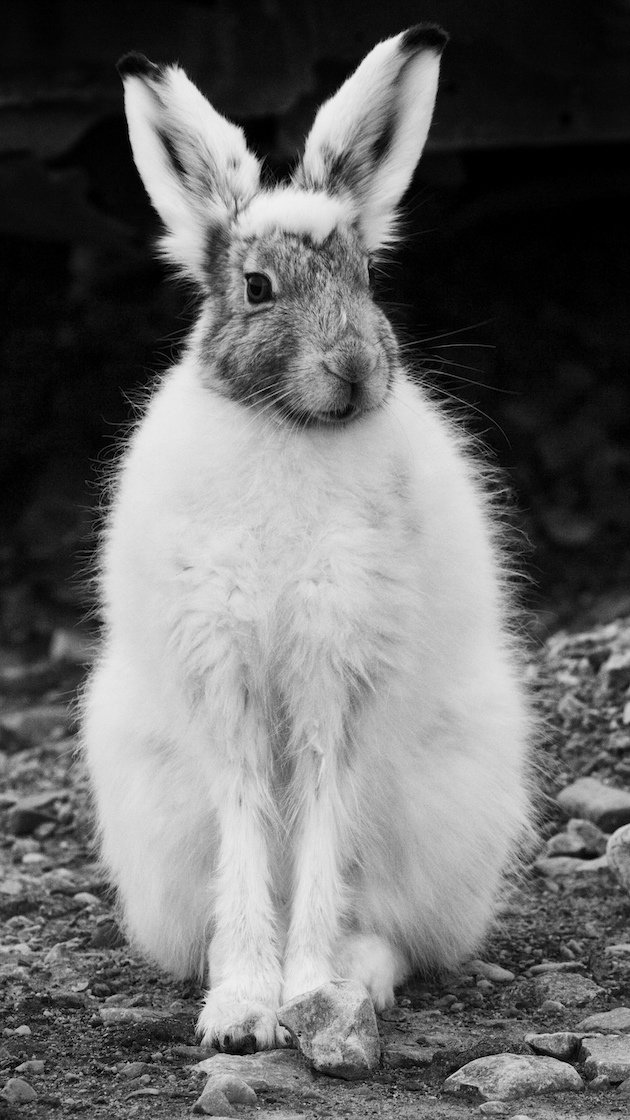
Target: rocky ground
[89,1027]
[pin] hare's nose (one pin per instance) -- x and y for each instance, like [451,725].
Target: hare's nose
[351,366]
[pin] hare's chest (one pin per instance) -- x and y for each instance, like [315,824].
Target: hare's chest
[297,588]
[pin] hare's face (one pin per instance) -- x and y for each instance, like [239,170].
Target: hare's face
[292,325]
[289,323]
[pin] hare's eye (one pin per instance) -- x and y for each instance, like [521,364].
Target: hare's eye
[258,287]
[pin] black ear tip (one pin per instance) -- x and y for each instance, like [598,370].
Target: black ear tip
[136,65]
[425,36]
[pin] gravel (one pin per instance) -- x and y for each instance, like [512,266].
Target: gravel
[93,1027]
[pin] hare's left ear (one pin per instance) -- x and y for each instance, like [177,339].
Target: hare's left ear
[366,141]
[194,163]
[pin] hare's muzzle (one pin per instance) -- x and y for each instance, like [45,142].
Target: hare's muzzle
[352,381]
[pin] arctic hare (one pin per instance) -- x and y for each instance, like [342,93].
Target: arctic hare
[305,731]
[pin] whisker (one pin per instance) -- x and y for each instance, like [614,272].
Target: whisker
[460,330]
[466,345]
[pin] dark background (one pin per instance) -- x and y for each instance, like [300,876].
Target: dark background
[511,281]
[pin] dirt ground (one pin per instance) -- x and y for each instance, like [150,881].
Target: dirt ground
[63,960]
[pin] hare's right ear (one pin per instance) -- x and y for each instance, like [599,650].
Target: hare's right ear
[195,164]
[367,139]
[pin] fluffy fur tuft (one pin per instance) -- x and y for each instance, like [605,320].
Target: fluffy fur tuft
[305,733]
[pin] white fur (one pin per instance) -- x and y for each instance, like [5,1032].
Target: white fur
[305,733]
[310,213]
[248,565]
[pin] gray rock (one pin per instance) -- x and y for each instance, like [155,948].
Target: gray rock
[263,1072]
[163,1026]
[561,1044]
[490,971]
[606,1056]
[62,953]
[235,1088]
[335,1028]
[18,1091]
[213,1102]
[23,822]
[111,1015]
[129,1070]
[568,988]
[282,1115]
[38,722]
[509,1076]
[616,670]
[85,898]
[599,1082]
[555,966]
[581,838]
[607,806]
[556,867]
[407,1055]
[220,1092]
[107,935]
[182,1050]
[616,1021]
[33,1065]
[620,952]
[618,852]
[393,1015]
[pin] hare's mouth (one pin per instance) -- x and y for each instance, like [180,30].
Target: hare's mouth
[312,418]
[339,415]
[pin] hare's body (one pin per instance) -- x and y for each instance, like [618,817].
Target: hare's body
[304,733]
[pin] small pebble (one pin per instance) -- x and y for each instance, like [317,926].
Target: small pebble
[616,1021]
[607,806]
[84,898]
[599,1082]
[130,1070]
[490,971]
[618,852]
[213,1102]
[494,1108]
[33,1065]
[562,1045]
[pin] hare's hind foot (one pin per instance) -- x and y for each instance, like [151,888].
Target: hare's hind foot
[374,962]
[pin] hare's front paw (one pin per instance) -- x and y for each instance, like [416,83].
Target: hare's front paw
[238,1025]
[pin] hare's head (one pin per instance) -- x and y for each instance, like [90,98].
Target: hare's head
[288,319]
